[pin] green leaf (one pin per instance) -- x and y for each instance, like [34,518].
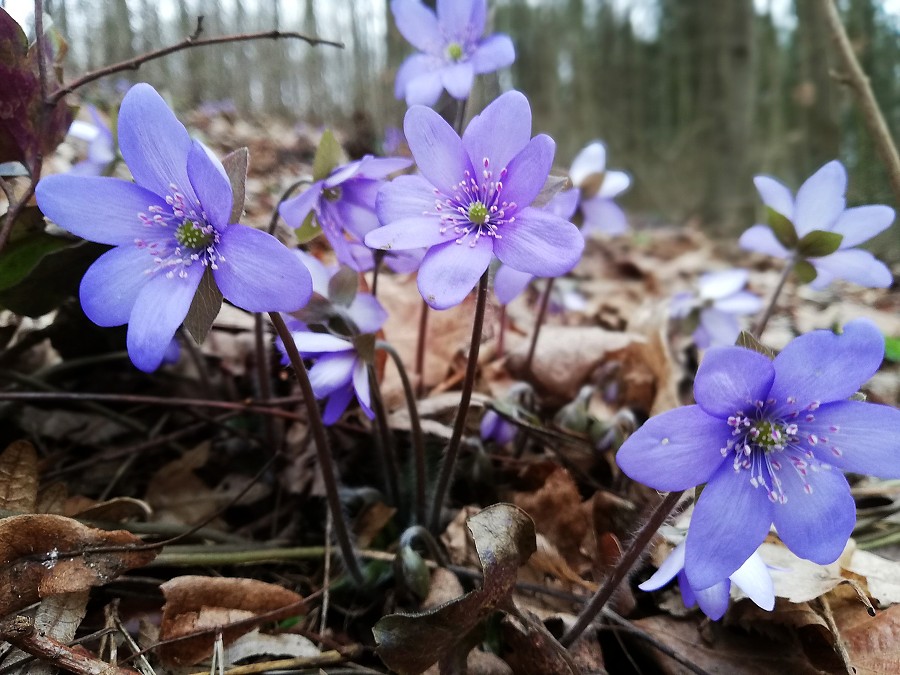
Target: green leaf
[21,257]
[819,243]
[412,572]
[748,341]
[784,229]
[805,272]
[892,349]
[329,155]
[204,308]
[236,164]
[504,539]
[309,230]
[342,286]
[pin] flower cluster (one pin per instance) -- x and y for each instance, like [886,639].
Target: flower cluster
[168,228]
[818,229]
[770,439]
[452,49]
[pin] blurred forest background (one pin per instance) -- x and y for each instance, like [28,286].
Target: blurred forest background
[693,97]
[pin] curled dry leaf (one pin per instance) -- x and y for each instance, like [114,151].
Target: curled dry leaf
[504,539]
[196,604]
[36,560]
[18,477]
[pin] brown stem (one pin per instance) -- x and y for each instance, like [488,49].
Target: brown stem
[449,463]
[187,43]
[323,451]
[539,321]
[384,441]
[770,308]
[419,371]
[858,81]
[638,544]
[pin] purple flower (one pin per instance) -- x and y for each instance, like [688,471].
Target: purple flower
[770,439]
[718,303]
[167,228]
[344,206]
[820,206]
[495,428]
[452,48]
[101,147]
[340,370]
[752,577]
[599,187]
[466,216]
[509,282]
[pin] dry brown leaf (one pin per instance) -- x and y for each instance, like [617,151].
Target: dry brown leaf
[18,477]
[372,521]
[53,499]
[118,509]
[195,603]
[176,493]
[882,576]
[33,564]
[283,645]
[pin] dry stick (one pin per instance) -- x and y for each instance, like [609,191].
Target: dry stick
[449,463]
[637,546]
[770,308]
[323,451]
[859,83]
[21,632]
[542,312]
[187,43]
[415,424]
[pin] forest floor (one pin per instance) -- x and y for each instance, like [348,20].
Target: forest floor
[113,458]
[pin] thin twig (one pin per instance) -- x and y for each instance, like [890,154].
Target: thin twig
[858,81]
[449,463]
[187,43]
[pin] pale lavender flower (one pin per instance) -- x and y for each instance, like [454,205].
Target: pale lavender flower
[719,302]
[340,371]
[820,206]
[599,187]
[167,229]
[452,49]
[495,428]
[770,439]
[472,201]
[344,207]
[101,150]
[752,577]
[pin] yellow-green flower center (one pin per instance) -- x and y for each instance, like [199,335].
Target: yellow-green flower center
[191,235]
[478,213]
[769,436]
[454,51]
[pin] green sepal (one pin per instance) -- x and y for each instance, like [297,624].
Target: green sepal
[204,307]
[892,349]
[805,271]
[782,228]
[329,155]
[748,341]
[412,571]
[309,230]
[236,164]
[342,286]
[819,243]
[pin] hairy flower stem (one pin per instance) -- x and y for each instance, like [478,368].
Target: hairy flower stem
[459,424]
[770,308]
[501,336]
[638,544]
[542,312]
[419,372]
[384,441]
[418,438]
[323,451]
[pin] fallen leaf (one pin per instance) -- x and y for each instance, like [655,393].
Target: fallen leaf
[34,562]
[195,603]
[18,477]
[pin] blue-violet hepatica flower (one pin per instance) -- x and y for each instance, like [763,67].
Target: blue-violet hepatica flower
[720,300]
[599,187]
[752,577]
[820,205]
[344,206]
[770,438]
[167,229]
[472,201]
[101,147]
[452,49]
